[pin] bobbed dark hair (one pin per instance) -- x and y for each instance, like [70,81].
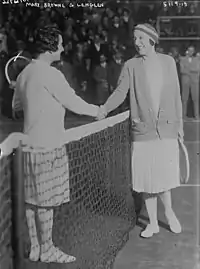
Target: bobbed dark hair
[46,38]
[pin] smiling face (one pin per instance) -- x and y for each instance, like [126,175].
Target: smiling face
[142,43]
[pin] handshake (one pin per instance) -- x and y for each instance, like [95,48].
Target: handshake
[102,113]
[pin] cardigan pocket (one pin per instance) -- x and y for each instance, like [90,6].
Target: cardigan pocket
[172,121]
[139,127]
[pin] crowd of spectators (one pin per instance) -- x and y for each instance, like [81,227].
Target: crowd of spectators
[97,41]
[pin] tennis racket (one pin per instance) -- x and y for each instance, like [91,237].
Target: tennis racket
[184,163]
[14,67]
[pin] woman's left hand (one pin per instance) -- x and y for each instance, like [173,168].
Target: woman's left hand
[12,85]
[101,113]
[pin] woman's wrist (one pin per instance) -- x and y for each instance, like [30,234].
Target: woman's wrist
[103,109]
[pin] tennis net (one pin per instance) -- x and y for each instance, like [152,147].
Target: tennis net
[94,225]
[5,213]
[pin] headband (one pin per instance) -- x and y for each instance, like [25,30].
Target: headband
[149,30]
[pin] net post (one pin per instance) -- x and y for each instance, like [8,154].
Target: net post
[17,206]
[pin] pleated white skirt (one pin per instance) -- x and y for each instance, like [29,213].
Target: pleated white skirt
[155,165]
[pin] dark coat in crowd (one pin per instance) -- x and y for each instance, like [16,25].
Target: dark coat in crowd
[120,32]
[177,60]
[95,54]
[3,60]
[5,92]
[101,77]
[81,73]
[114,71]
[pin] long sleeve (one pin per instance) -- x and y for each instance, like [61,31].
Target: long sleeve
[120,93]
[64,94]
[179,112]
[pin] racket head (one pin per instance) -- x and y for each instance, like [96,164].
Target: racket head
[14,67]
[184,163]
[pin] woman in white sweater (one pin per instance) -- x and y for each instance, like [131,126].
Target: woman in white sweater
[44,94]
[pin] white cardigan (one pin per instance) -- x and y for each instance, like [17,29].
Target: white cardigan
[44,94]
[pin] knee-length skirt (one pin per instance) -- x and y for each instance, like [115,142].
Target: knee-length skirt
[46,177]
[155,165]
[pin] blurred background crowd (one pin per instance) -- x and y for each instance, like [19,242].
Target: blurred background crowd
[97,41]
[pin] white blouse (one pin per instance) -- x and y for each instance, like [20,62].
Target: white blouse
[44,94]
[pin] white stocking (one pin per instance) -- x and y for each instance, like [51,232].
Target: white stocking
[35,247]
[151,206]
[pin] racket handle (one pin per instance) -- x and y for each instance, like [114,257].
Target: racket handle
[186,158]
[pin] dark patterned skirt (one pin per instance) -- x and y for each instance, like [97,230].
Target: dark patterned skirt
[46,177]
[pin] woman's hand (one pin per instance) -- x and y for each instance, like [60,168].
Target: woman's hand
[12,85]
[101,113]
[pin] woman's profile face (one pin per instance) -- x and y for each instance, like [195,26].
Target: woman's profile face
[60,49]
[141,41]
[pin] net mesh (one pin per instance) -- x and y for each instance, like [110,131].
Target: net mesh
[5,213]
[93,225]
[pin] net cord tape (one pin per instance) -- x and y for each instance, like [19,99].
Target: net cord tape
[73,134]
